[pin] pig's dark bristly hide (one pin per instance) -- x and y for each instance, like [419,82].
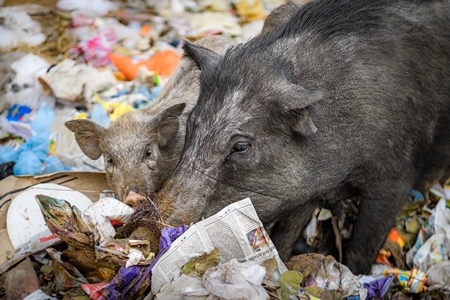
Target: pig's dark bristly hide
[347,98]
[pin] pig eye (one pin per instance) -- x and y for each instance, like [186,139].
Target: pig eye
[240,147]
[110,161]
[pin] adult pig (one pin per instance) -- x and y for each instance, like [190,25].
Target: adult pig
[347,98]
[141,148]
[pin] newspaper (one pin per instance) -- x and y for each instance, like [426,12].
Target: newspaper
[235,230]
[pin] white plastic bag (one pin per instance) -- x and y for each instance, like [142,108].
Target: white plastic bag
[234,280]
[98,216]
[92,8]
[18,28]
[69,80]
[438,276]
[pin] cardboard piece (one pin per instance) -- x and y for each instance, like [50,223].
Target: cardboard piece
[91,184]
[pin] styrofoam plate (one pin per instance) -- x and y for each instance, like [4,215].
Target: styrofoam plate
[24,217]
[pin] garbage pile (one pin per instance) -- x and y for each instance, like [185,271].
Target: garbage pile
[104,249]
[94,60]
[413,263]
[99,59]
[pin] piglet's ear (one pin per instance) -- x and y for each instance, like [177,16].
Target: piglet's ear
[203,57]
[87,135]
[297,102]
[169,124]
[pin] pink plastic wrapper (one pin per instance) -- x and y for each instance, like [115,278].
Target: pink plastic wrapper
[96,50]
[93,290]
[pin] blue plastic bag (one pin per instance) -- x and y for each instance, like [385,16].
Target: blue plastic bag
[43,121]
[53,165]
[28,163]
[100,116]
[7,154]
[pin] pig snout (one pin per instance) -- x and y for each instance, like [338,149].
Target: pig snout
[133,199]
[124,189]
[187,204]
[188,208]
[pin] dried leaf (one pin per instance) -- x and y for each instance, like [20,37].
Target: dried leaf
[290,283]
[199,265]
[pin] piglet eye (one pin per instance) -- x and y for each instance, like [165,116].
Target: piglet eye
[240,147]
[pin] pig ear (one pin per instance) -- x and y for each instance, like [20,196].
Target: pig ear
[297,105]
[169,124]
[202,56]
[87,135]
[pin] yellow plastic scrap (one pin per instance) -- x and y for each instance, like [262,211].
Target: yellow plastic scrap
[114,109]
[81,116]
[250,10]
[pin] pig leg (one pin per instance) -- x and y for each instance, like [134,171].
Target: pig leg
[286,232]
[376,217]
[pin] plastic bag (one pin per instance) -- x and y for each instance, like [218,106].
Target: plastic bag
[115,109]
[30,155]
[208,22]
[6,169]
[96,49]
[100,116]
[7,154]
[53,165]
[70,81]
[43,121]
[23,76]
[99,214]
[93,8]
[234,280]
[93,290]
[65,146]
[28,163]
[18,28]
[439,276]
[27,67]
[163,63]
[379,287]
